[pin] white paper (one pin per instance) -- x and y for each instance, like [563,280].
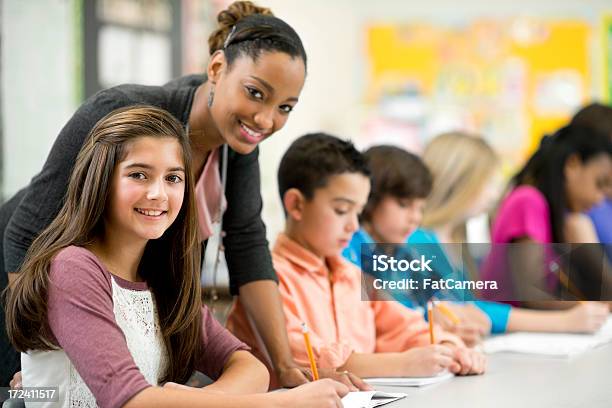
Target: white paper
[549,344]
[369,399]
[409,381]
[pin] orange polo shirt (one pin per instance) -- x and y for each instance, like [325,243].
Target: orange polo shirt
[326,295]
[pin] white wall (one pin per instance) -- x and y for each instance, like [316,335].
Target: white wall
[38,83]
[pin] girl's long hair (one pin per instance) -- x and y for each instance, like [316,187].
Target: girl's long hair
[461,165]
[545,169]
[170,264]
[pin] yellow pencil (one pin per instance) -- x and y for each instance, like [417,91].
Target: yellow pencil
[571,288]
[313,365]
[447,312]
[432,340]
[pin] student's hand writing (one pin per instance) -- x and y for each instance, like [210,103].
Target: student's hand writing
[469,361]
[470,333]
[295,376]
[318,394]
[586,317]
[347,378]
[16,381]
[290,377]
[474,316]
[427,361]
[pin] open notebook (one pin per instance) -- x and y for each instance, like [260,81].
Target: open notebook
[369,399]
[409,381]
[549,344]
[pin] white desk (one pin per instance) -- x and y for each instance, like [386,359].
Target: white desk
[521,381]
[518,381]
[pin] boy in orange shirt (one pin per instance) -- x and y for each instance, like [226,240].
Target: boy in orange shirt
[324,185]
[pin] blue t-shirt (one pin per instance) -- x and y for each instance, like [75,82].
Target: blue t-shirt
[497,312]
[601,216]
[360,252]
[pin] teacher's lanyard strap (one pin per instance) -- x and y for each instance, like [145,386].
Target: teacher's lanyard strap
[218,230]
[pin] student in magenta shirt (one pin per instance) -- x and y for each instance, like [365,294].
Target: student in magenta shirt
[107,306]
[563,179]
[523,213]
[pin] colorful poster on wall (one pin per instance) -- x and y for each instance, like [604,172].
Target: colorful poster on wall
[510,80]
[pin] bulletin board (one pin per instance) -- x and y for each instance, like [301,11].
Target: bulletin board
[510,80]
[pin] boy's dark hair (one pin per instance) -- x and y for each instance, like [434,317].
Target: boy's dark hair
[396,173]
[544,169]
[313,158]
[596,116]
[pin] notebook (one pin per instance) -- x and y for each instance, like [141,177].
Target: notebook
[369,399]
[549,344]
[409,381]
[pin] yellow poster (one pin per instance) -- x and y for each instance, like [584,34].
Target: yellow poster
[511,80]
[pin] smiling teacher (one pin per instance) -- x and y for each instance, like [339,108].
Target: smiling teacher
[253,80]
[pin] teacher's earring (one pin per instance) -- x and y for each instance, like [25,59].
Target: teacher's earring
[211,97]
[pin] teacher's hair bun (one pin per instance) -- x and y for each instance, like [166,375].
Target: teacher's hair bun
[228,18]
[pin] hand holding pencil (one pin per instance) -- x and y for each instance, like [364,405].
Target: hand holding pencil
[466,361]
[346,378]
[466,321]
[313,364]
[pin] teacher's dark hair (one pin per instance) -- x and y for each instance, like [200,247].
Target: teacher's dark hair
[246,29]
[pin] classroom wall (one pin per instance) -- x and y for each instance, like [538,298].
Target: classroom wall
[38,84]
[39,70]
[332,32]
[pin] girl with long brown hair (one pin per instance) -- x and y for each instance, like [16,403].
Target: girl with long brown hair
[107,305]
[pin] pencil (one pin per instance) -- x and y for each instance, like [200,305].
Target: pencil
[313,365]
[567,284]
[432,340]
[447,312]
